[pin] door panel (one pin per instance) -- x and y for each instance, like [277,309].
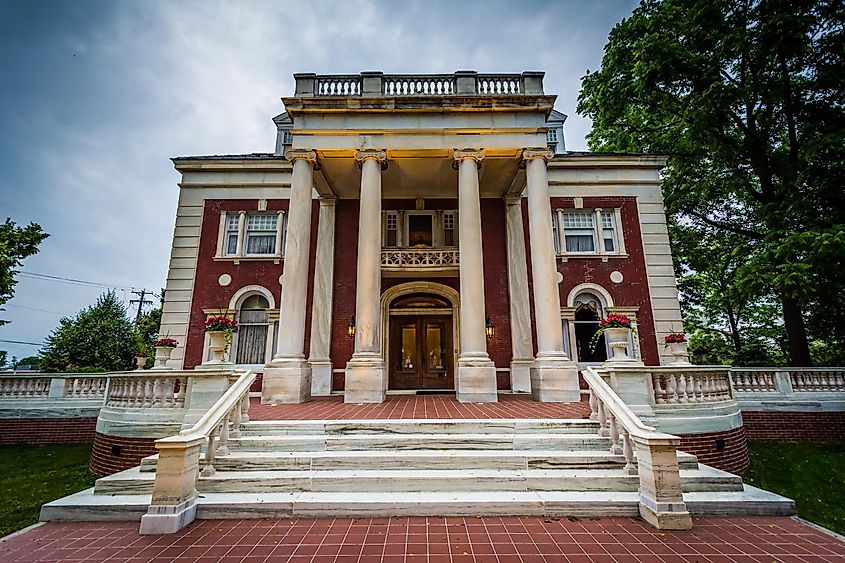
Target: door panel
[421,353]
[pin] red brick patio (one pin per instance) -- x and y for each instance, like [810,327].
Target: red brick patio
[418,406]
[430,540]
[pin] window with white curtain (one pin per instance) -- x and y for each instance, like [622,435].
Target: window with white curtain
[250,341]
[582,233]
[579,231]
[231,237]
[261,234]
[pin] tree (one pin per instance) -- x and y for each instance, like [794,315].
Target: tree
[99,338]
[146,332]
[16,243]
[33,362]
[745,98]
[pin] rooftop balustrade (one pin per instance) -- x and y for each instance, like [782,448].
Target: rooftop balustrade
[378,84]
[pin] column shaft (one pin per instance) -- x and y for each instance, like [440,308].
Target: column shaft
[321,308]
[520,308]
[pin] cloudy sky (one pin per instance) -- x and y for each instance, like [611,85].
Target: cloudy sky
[96,96]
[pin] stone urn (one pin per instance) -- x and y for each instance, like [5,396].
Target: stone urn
[679,353]
[162,355]
[617,339]
[140,362]
[218,345]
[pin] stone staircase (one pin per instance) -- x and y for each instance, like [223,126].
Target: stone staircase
[315,468]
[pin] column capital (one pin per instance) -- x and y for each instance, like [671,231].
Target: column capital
[537,152]
[307,155]
[462,154]
[513,200]
[377,154]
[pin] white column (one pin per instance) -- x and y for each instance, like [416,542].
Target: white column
[321,308]
[520,308]
[476,374]
[366,378]
[287,377]
[554,377]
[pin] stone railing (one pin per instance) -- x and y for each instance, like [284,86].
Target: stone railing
[656,460]
[788,388]
[147,391]
[173,504]
[691,385]
[53,386]
[27,387]
[378,84]
[817,380]
[421,258]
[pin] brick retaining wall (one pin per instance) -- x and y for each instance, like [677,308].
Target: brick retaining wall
[788,426]
[111,454]
[47,430]
[726,450]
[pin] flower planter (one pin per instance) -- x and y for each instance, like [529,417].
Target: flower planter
[679,353]
[617,339]
[140,362]
[218,345]
[162,355]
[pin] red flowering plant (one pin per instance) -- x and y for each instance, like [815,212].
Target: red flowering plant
[139,354]
[169,342]
[612,321]
[221,323]
[675,338]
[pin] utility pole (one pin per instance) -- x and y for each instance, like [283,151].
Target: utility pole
[140,301]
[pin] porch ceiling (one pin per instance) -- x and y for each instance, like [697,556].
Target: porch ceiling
[412,175]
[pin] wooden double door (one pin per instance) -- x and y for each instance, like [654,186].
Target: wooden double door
[421,353]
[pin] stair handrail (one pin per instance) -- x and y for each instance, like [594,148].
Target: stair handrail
[656,461]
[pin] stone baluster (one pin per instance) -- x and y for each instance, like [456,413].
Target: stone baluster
[245,408]
[697,391]
[628,452]
[223,446]
[615,446]
[180,394]
[603,430]
[208,463]
[593,409]
[659,389]
[237,420]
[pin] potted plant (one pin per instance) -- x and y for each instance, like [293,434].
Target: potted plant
[164,347]
[677,344]
[617,328]
[140,359]
[220,330]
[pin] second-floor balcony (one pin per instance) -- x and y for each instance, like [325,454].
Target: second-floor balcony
[420,259]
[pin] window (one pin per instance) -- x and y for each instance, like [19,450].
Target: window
[551,139]
[391,229]
[588,313]
[586,231]
[253,234]
[251,340]
[287,137]
[449,235]
[579,231]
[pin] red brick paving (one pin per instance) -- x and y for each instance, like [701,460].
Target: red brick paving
[430,540]
[418,406]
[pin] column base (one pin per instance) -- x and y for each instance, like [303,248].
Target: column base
[366,380]
[286,381]
[555,380]
[521,375]
[476,381]
[168,519]
[321,378]
[665,515]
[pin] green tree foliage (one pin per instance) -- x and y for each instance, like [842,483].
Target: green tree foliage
[99,338]
[745,98]
[33,361]
[16,243]
[147,332]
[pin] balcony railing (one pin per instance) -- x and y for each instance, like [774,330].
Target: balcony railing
[378,84]
[420,259]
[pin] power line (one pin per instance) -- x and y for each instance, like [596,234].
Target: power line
[21,342]
[62,279]
[32,309]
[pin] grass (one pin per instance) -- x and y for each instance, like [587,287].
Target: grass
[813,474]
[33,475]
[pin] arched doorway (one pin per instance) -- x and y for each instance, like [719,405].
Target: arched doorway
[420,339]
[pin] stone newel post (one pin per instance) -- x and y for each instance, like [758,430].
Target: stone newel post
[287,377]
[476,374]
[554,377]
[366,378]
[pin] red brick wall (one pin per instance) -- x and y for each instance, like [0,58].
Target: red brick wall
[633,291]
[47,430]
[794,426]
[208,294]
[732,456]
[132,450]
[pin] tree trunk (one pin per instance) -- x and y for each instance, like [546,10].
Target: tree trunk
[793,322]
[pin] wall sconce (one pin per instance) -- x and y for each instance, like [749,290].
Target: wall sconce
[489,328]
[350,328]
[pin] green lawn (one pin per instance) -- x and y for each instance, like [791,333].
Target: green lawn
[813,474]
[33,475]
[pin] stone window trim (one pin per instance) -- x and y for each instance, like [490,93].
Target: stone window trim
[234,308]
[605,300]
[234,233]
[604,225]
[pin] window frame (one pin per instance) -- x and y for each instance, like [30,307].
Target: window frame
[598,217]
[227,221]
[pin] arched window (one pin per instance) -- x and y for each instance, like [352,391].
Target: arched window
[588,313]
[250,343]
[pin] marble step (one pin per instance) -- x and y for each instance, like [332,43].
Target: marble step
[319,442]
[420,426]
[134,481]
[88,506]
[420,460]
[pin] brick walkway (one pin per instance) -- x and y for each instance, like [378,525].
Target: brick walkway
[418,406]
[430,540]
